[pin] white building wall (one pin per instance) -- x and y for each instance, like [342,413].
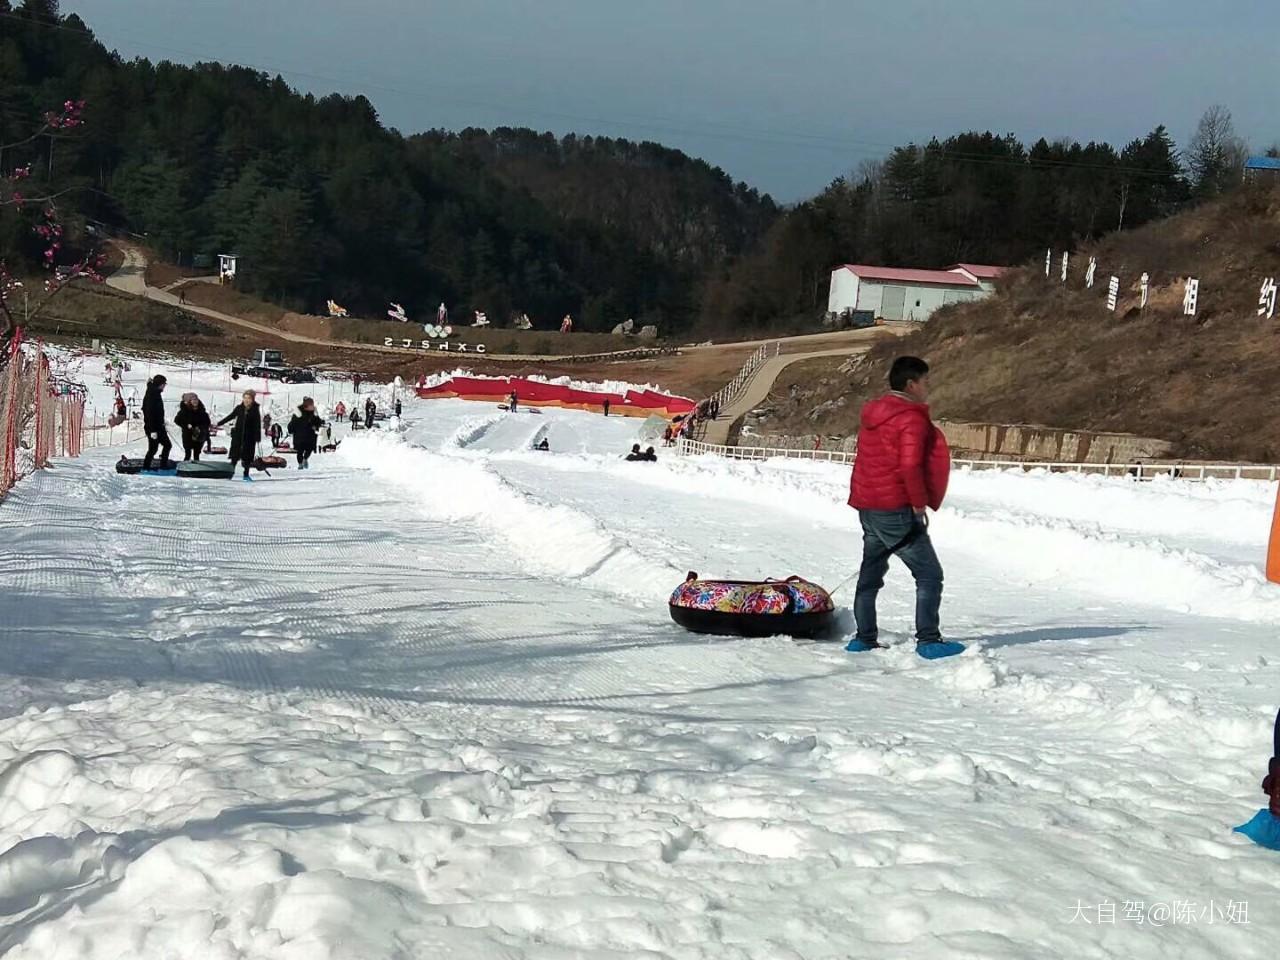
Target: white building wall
[921,300]
[870,296]
[844,291]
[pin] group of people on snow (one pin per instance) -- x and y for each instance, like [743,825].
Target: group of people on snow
[646,455]
[247,429]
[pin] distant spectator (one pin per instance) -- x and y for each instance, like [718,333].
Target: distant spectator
[606,406]
[355,382]
[513,402]
[370,411]
[398,409]
[340,411]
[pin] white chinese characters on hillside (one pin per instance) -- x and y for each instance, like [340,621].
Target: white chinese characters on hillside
[1190,296]
[1267,299]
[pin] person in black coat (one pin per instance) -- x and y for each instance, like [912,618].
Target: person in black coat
[153,421]
[304,427]
[193,420]
[246,433]
[370,410]
[397,409]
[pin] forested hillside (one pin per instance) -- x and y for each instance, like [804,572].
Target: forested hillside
[974,197]
[322,201]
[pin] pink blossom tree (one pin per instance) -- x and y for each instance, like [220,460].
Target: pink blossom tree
[47,225]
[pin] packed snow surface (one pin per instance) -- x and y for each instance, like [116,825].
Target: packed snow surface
[425,700]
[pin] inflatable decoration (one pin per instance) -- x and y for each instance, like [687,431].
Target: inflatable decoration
[751,608]
[1273,546]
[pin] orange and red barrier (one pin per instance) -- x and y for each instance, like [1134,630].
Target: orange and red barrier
[1273,548]
[536,393]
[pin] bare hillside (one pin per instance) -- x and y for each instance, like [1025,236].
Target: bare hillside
[1041,353]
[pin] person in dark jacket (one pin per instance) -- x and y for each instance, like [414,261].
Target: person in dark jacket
[193,420]
[153,421]
[304,427]
[899,470]
[513,402]
[650,455]
[635,453]
[370,411]
[398,409]
[606,406]
[245,433]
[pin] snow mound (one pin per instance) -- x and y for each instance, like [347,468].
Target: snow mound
[546,539]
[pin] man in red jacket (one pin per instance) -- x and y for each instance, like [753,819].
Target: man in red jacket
[900,469]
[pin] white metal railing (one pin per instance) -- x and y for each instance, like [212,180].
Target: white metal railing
[733,389]
[98,432]
[1140,471]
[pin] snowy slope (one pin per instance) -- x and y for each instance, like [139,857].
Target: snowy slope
[425,701]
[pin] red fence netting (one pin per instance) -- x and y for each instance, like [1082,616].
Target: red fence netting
[39,419]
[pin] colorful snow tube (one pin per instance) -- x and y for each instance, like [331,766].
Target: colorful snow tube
[752,608]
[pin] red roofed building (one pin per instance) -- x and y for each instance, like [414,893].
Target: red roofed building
[985,274]
[894,293]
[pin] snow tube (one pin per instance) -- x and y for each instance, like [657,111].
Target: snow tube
[270,463]
[131,465]
[205,469]
[752,608]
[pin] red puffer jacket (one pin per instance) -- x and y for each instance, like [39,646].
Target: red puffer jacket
[902,460]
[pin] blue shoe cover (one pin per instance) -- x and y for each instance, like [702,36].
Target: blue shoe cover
[937,649]
[1263,829]
[861,646]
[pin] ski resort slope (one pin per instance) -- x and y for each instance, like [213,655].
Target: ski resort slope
[425,700]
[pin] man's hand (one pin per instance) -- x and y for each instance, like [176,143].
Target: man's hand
[153,436]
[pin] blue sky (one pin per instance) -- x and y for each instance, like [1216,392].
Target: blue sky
[784,95]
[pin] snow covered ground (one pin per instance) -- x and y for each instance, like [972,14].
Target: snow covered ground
[425,700]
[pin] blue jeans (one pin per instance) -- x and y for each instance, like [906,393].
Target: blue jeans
[889,532]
